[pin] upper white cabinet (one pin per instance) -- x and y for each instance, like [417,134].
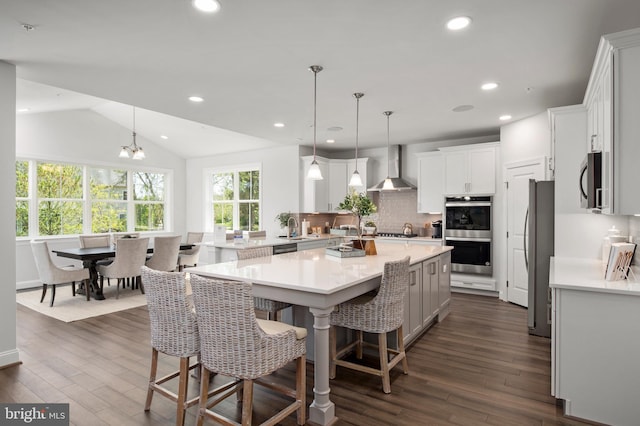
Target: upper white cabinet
[613,105]
[430,182]
[470,169]
[324,195]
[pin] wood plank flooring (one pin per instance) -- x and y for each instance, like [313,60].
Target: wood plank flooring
[478,367]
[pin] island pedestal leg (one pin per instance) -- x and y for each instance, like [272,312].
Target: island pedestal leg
[321,410]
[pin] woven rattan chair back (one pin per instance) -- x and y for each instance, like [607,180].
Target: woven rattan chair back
[174,330]
[254,252]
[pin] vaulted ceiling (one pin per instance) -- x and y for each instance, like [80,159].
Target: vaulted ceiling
[249,62]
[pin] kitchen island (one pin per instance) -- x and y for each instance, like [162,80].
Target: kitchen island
[319,281]
[595,346]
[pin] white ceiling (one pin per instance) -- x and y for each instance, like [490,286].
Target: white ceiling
[250,63]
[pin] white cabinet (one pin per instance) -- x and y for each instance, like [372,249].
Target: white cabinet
[324,195]
[613,128]
[430,182]
[473,282]
[470,169]
[427,300]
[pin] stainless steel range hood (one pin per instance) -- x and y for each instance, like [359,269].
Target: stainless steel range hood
[395,167]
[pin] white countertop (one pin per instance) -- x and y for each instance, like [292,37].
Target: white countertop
[313,271]
[588,275]
[266,241]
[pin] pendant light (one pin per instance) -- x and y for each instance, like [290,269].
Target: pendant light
[314,172]
[134,149]
[356,180]
[388,184]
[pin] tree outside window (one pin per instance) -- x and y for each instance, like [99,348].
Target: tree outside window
[22,198]
[60,201]
[235,199]
[108,192]
[148,195]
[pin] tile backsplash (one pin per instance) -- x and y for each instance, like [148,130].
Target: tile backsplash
[395,208]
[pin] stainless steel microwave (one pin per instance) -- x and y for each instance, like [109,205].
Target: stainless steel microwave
[591,181]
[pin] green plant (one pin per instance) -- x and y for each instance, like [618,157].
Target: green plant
[359,205]
[283,218]
[370,224]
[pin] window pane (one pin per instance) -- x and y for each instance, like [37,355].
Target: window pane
[255,185]
[148,186]
[22,178]
[59,181]
[222,186]
[249,216]
[108,217]
[249,185]
[108,184]
[149,217]
[223,214]
[59,217]
[22,218]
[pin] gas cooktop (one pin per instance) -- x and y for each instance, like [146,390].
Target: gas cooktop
[396,235]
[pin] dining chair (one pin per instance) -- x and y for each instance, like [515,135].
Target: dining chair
[378,313]
[131,253]
[234,343]
[94,240]
[191,256]
[165,253]
[271,307]
[51,275]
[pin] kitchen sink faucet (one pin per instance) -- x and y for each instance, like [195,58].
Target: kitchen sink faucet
[295,222]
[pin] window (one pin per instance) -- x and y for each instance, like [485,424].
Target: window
[60,203]
[66,199]
[22,198]
[235,198]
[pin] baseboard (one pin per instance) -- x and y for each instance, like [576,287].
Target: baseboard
[9,358]
[476,292]
[25,285]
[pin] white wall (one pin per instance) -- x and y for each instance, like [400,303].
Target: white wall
[526,139]
[8,347]
[83,136]
[280,184]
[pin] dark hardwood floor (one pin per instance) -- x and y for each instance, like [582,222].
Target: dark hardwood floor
[478,367]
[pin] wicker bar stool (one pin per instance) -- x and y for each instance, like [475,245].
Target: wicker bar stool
[174,331]
[271,307]
[234,343]
[380,313]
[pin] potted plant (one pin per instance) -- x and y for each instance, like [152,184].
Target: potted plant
[359,205]
[283,219]
[370,227]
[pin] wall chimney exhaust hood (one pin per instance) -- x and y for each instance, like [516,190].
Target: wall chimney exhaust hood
[395,167]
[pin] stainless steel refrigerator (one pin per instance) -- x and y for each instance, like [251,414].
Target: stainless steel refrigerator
[539,245]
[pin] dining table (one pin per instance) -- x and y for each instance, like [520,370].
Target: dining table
[319,281]
[90,256]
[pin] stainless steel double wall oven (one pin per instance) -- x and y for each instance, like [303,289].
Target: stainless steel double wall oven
[468,222]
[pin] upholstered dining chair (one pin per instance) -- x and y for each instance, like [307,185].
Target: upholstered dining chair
[94,240]
[234,343]
[191,256]
[271,307]
[380,314]
[131,253]
[165,253]
[51,275]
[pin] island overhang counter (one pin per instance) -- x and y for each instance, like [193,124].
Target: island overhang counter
[319,281]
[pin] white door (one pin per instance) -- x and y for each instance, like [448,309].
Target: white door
[518,176]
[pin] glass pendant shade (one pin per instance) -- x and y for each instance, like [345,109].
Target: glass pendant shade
[388,184]
[314,172]
[356,180]
[124,153]
[133,149]
[139,154]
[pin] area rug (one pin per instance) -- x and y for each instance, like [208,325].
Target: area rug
[68,308]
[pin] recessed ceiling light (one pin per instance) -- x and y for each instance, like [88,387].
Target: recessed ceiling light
[331,141]
[195,99]
[462,108]
[164,137]
[278,124]
[489,86]
[24,110]
[209,6]
[505,117]
[458,23]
